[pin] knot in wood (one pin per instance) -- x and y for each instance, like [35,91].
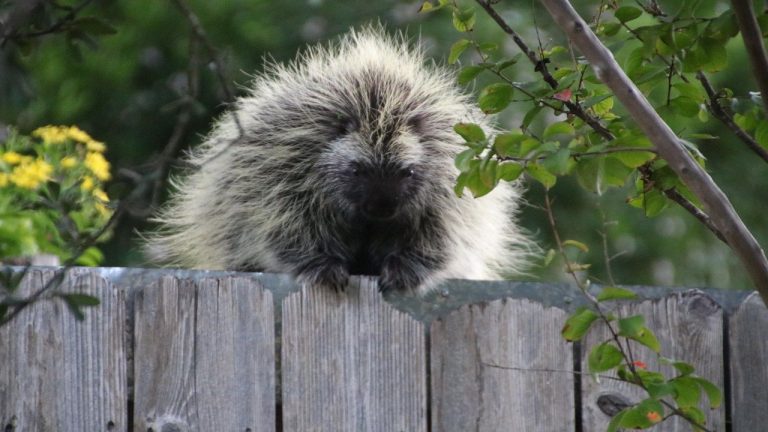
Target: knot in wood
[578,27]
[699,304]
[611,404]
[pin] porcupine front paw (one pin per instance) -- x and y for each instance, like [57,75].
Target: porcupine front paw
[400,275]
[328,273]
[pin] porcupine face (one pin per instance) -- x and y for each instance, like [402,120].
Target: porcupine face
[375,160]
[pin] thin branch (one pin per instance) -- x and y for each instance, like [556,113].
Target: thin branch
[719,208]
[717,110]
[58,276]
[54,28]
[753,41]
[540,66]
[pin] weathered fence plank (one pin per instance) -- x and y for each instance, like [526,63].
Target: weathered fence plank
[502,366]
[351,363]
[748,339]
[204,356]
[689,326]
[60,374]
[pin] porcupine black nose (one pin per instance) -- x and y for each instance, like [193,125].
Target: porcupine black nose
[380,205]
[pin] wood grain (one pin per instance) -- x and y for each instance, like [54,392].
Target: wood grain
[748,330]
[351,363]
[204,356]
[60,374]
[502,366]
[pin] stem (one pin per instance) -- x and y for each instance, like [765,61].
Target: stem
[716,108]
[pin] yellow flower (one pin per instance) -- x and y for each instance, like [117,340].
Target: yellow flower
[98,165]
[30,175]
[87,183]
[3,180]
[68,162]
[78,135]
[95,146]
[100,195]
[101,200]
[103,210]
[12,157]
[51,134]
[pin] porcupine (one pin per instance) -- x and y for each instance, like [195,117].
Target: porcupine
[338,163]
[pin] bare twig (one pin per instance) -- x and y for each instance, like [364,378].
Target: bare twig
[753,41]
[719,208]
[54,28]
[716,108]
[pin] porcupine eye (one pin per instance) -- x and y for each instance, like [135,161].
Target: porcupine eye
[343,125]
[407,172]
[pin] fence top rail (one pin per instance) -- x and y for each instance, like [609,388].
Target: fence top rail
[448,297]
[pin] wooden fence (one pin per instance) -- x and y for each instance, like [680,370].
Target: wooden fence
[172,351]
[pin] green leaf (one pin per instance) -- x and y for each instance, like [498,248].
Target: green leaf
[564,128]
[530,115]
[615,293]
[714,394]
[549,257]
[540,174]
[577,244]
[687,391]
[695,414]
[648,338]
[508,144]
[604,357]
[631,326]
[463,160]
[471,132]
[91,257]
[683,367]
[652,202]
[658,390]
[690,91]
[589,173]
[685,106]
[627,13]
[577,325]
[495,97]
[716,55]
[613,426]
[463,20]
[76,301]
[456,49]
[488,173]
[643,415]
[461,183]
[509,62]
[468,73]
[761,133]
[557,162]
[426,7]
[475,183]
[610,29]
[615,173]
[509,171]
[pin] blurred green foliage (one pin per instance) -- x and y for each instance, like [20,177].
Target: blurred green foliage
[125,87]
